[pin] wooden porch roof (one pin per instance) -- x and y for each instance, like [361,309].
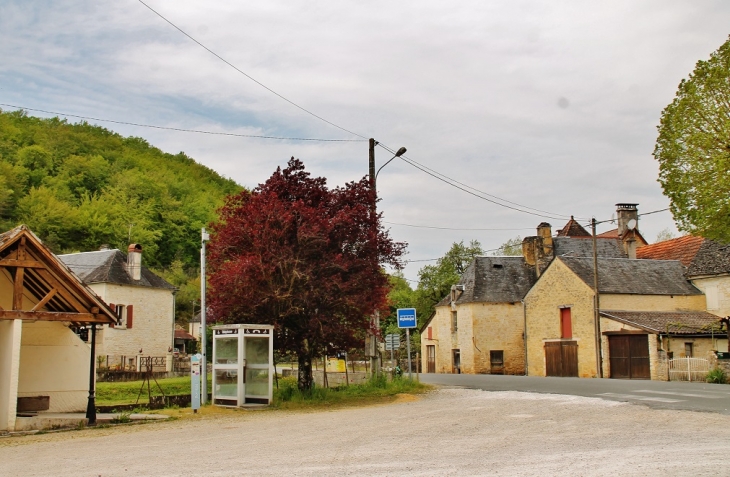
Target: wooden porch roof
[39,277]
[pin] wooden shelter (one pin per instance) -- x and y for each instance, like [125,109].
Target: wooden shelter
[42,307]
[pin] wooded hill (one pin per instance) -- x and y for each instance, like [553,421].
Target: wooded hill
[79,186]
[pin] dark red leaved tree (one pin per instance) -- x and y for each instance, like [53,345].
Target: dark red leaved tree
[304,258]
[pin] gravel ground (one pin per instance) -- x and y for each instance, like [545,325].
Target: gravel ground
[447,432]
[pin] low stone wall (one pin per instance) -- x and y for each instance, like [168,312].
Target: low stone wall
[723,364]
[333,379]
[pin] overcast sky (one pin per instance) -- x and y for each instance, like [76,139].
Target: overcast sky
[549,105]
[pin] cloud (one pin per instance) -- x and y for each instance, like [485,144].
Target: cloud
[551,105]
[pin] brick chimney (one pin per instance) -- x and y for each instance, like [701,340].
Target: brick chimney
[134,261]
[624,213]
[628,225]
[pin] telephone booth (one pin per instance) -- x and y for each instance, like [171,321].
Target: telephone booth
[243,366]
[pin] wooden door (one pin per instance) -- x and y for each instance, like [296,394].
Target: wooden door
[430,358]
[629,356]
[561,358]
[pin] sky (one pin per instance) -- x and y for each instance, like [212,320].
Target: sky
[537,105]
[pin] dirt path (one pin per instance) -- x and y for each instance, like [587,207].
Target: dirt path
[448,432]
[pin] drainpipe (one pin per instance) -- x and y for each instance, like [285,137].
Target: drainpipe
[91,405]
[524,337]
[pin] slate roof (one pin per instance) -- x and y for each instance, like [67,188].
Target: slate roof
[109,266]
[633,277]
[573,229]
[674,322]
[495,280]
[583,247]
[701,256]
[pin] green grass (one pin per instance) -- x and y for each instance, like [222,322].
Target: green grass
[111,394]
[288,395]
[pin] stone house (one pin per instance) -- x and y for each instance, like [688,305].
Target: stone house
[44,365]
[707,266]
[144,304]
[647,309]
[478,327]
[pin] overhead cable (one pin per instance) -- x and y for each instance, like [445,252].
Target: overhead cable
[249,76]
[152,126]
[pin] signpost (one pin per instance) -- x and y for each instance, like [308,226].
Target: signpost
[407,320]
[392,342]
[195,382]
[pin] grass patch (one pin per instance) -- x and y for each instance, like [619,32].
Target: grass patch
[378,389]
[112,394]
[717,376]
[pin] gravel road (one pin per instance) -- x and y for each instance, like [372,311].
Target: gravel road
[447,432]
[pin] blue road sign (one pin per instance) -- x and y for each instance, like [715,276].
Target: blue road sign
[406,317]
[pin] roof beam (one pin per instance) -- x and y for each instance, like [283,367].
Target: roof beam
[53,316]
[45,300]
[11,262]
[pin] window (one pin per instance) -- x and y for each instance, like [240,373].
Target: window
[454,321]
[688,350]
[125,316]
[566,323]
[496,358]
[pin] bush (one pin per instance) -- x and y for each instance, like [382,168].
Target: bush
[717,376]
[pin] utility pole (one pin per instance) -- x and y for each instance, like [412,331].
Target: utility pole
[375,319]
[596,305]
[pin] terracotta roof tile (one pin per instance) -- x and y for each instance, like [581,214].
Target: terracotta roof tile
[683,249]
[573,229]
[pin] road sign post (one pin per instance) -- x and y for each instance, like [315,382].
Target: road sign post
[407,320]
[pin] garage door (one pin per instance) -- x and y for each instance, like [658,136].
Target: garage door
[561,358]
[629,356]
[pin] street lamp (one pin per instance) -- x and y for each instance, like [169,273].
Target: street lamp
[203,338]
[373,349]
[399,153]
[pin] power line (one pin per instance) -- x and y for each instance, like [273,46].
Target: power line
[249,76]
[444,178]
[474,188]
[182,129]
[449,228]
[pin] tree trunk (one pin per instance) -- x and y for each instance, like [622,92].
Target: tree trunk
[305,382]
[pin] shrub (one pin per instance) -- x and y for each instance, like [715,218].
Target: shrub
[717,376]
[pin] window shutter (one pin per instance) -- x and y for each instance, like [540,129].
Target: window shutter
[130,315]
[566,323]
[114,309]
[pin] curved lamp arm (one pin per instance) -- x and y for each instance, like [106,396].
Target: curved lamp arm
[399,153]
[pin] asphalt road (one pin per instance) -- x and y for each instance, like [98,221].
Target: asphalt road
[654,394]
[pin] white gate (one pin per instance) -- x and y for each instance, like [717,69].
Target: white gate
[688,369]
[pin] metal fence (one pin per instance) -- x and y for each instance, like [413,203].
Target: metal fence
[688,369]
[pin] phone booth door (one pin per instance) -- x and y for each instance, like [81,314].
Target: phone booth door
[256,368]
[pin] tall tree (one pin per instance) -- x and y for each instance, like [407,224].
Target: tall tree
[434,281]
[693,149]
[304,258]
[511,248]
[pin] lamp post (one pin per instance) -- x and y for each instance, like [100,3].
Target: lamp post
[373,348]
[203,337]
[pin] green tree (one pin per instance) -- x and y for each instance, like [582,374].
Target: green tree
[693,149]
[434,281]
[511,248]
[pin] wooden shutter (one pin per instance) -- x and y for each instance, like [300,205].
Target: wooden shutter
[114,309]
[429,334]
[130,316]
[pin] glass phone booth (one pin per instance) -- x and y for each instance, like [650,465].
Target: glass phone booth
[243,366]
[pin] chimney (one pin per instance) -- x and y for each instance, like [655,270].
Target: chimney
[103,247]
[134,261]
[625,213]
[538,250]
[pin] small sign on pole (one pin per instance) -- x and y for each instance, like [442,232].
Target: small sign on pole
[195,382]
[407,320]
